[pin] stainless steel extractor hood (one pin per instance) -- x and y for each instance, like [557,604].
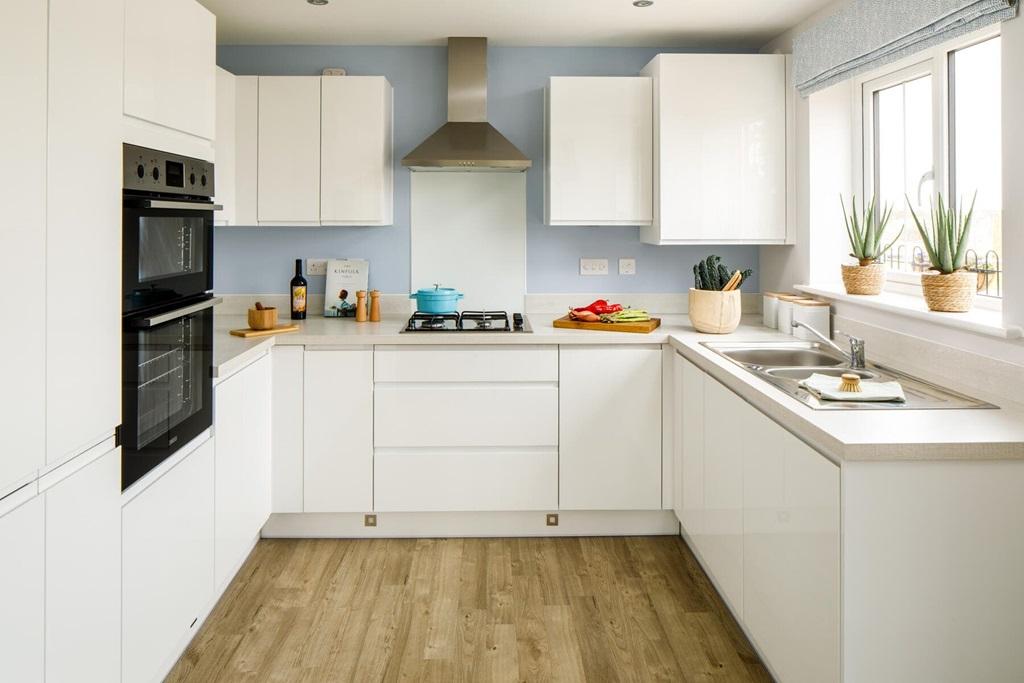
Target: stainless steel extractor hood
[467,142]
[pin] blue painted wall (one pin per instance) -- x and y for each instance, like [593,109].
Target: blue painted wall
[260,260]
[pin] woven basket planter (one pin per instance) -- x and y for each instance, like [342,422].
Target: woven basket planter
[949,293]
[869,279]
[715,312]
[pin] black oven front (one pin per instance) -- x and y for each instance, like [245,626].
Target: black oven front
[167,306]
[167,222]
[167,380]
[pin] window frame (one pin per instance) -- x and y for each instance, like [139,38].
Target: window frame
[934,62]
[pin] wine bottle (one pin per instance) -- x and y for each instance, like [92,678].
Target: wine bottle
[298,289]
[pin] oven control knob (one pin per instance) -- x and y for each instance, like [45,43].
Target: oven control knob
[156,173]
[140,171]
[191,178]
[202,180]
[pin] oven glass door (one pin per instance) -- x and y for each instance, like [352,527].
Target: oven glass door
[167,256]
[167,372]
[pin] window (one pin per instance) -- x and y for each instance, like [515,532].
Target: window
[934,127]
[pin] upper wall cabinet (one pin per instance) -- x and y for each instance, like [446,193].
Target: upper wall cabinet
[356,166]
[170,52]
[324,149]
[598,156]
[288,166]
[719,149]
[235,148]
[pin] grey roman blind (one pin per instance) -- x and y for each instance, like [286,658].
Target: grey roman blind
[867,34]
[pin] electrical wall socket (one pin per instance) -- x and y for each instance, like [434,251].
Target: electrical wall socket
[316,266]
[593,266]
[627,266]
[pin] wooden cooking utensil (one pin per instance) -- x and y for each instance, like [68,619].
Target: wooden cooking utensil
[733,282]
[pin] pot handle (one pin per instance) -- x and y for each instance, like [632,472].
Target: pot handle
[412,296]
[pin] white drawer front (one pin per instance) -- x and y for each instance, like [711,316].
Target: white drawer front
[435,415]
[465,364]
[481,480]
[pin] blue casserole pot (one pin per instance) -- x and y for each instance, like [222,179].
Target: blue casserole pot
[436,299]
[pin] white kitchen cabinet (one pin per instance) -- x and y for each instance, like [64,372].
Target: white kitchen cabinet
[170,56]
[598,154]
[22,588]
[242,432]
[719,149]
[168,565]
[235,148]
[689,493]
[225,147]
[356,159]
[465,479]
[790,552]
[246,149]
[338,430]
[719,541]
[288,165]
[446,415]
[609,428]
[286,430]
[23,48]
[83,216]
[83,570]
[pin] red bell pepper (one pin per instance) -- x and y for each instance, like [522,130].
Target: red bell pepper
[600,307]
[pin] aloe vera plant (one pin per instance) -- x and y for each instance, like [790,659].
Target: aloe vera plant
[866,229]
[946,239]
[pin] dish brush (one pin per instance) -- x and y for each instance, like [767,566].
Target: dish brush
[850,383]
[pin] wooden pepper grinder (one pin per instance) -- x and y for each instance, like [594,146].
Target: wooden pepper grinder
[374,305]
[361,306]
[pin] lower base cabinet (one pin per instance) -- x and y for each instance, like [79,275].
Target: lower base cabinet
[83,573]
[761,510]
[242,432]
[168,565]
[338,430]
[22,591]
[609,424]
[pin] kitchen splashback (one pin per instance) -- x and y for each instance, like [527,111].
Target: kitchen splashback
[468,231]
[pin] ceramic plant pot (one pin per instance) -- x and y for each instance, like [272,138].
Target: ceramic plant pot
[866,280]
[949,292]
[715,312]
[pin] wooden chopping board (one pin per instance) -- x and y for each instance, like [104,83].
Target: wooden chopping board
[567,323]
[249,332]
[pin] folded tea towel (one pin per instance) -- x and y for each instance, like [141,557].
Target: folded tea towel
[827,387]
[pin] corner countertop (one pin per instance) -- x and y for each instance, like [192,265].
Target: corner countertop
[842,436]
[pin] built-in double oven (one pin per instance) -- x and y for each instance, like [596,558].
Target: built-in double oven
[167,306]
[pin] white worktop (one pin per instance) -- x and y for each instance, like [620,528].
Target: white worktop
[843,436]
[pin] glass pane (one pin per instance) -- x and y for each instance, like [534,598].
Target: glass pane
[976,154]
[169,247]
[169,371]
[904,162]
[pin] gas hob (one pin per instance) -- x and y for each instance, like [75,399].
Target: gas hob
[468,321]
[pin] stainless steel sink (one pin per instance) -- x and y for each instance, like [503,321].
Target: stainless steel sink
[777,356]
[785,364]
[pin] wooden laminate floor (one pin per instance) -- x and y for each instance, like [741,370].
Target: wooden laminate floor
[511,609]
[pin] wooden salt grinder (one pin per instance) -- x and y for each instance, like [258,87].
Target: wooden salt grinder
[374,305]
[361,306]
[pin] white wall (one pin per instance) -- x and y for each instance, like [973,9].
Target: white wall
[1013,171]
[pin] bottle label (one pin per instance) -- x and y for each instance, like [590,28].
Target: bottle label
[298,299]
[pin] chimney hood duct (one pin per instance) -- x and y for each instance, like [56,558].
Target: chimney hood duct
[467,142]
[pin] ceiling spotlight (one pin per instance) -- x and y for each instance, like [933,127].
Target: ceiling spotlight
[321,3]
[636,3]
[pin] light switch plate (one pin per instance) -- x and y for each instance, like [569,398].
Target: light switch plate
[593,266]
[316,266]
[627,266]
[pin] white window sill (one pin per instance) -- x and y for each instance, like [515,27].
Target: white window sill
[979,320]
